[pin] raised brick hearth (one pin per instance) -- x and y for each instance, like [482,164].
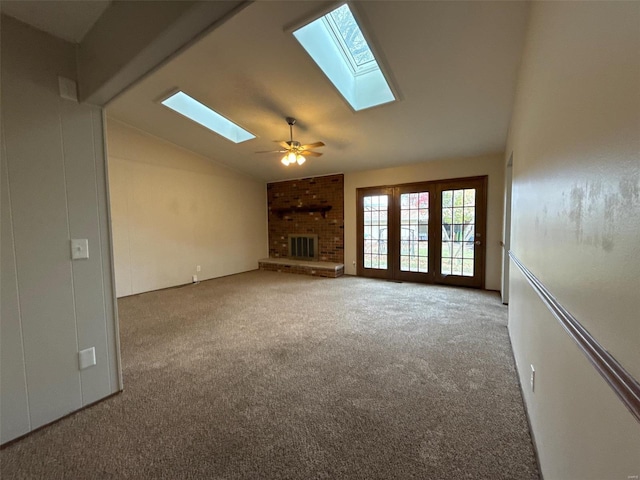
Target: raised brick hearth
[318,269]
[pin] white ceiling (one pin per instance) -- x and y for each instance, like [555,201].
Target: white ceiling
[69,20]
[453,64]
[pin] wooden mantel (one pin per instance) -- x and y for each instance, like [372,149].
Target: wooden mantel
[323,209]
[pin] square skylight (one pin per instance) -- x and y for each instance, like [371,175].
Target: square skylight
[336,43]
[194,110]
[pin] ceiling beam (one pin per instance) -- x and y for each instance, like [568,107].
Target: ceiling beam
[131,39]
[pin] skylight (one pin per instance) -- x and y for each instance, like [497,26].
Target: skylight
[200,113]
[338,46]
[342,20]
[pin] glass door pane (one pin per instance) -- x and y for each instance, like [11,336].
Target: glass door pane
[376,231]
[414,232]
[458,227]
[460,233]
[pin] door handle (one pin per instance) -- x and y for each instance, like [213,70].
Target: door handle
[478,242]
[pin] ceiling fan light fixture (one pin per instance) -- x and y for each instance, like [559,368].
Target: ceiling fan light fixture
[294,151]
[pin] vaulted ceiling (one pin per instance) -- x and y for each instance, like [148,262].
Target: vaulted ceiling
[69,20]
[453,65]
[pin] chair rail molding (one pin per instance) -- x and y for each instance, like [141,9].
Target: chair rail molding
[621,381]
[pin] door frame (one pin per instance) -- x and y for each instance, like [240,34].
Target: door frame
[506,242]
[477,281]
[435,188]
[370,272]
[407,276]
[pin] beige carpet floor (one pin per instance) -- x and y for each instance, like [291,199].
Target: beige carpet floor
[268,375]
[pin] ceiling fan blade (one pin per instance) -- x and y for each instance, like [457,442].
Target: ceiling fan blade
[283,144]
[312,145]
[309,153]
[272,151]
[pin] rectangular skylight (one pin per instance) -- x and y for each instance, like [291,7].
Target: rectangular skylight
[200,113]
[342,21]
[336,43]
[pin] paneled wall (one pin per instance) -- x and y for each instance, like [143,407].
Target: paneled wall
[53,190]
[173,210]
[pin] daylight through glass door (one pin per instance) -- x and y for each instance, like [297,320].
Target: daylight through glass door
[376,231]
[458,232]
[430,232]
[414,232]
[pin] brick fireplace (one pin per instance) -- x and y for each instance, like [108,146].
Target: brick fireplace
[307,207]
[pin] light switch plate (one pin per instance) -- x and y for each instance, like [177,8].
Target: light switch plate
[533,379]
[87,358]
[79,248]
[68,89]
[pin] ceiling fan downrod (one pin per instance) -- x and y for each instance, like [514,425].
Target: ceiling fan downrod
[294,154]
[291,121]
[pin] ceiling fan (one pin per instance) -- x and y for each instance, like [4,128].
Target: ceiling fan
[295,151]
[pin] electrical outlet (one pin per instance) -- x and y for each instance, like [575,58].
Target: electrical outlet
[533,379]
[197,268]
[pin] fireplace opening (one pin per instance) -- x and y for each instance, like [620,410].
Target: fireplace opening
[303,247]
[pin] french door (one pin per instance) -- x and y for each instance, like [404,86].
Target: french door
[425,232]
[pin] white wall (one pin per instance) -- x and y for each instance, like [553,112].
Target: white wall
[506,231]
[575,138]
[491,165]
[53,189]
[173,210]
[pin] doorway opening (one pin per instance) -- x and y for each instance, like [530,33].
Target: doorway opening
[506,242]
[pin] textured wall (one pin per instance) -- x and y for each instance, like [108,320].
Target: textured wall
[173,210]
[53,189]
[575,140]
[323,191]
